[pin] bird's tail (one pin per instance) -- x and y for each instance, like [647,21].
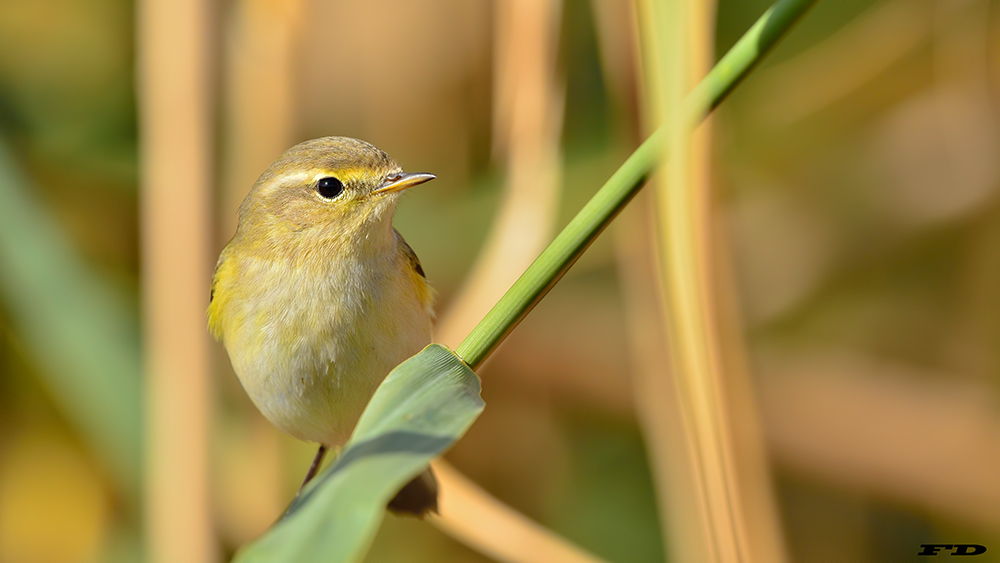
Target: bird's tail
[418,497]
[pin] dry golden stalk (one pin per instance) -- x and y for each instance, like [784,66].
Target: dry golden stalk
[259,104]
[702,474]
[473,517]
[176,153]
[657,403]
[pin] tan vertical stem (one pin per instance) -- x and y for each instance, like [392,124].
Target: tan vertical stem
[765,537]
[666,403]
[528,110]
[677,38]
[176,153]
[683,512]
[259,94]
[751,474]
[683,212]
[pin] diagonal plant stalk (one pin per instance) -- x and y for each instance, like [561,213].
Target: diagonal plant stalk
[567,247]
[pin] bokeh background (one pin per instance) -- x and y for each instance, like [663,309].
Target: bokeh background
[855,176]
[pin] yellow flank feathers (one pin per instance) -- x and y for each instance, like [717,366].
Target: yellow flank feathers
[316,298]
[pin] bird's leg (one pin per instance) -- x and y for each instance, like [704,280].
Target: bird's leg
[314,468]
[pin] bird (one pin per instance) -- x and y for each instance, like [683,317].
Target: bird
[318,297]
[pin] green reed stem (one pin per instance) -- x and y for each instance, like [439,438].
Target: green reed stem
[567,247]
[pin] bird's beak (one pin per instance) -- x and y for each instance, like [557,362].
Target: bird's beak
[400,182]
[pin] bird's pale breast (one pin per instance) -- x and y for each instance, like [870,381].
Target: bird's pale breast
[310,340]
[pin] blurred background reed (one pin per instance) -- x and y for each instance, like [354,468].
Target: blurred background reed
[852,204]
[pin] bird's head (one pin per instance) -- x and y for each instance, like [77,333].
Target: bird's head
[332,185]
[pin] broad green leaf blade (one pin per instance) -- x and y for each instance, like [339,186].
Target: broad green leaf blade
[80,331]
[420,410]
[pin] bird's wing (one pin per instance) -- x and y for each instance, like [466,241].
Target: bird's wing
[410,255]
[424,291]
[215,274]
[215,303]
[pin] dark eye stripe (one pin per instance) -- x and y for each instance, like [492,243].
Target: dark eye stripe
[329,187]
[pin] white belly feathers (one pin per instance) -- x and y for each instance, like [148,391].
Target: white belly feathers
[325,347]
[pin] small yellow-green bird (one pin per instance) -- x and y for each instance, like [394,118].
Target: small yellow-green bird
[317,297]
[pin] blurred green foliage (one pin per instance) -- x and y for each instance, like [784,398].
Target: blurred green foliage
[610,504]
[77,327]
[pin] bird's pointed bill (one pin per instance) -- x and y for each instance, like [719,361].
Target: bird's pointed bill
[401,182]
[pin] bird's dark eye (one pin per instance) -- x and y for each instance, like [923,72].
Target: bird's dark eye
[329,187]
